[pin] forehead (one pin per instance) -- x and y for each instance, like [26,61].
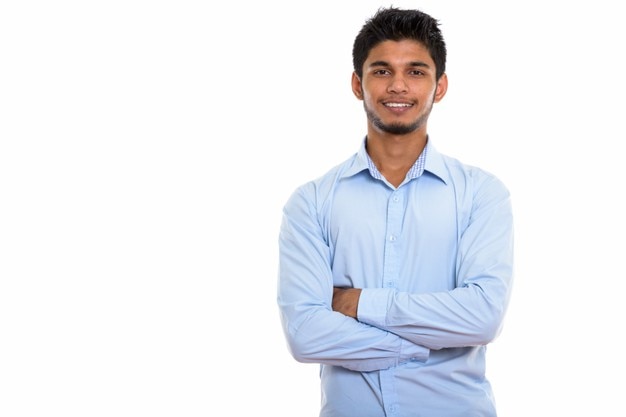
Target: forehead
[399,53]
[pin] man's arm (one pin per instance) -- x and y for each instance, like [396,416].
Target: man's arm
[314,332]
[472,313]
[346,301]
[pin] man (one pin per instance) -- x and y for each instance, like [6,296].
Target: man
[396,266]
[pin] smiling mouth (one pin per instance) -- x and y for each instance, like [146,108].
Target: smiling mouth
[398,105]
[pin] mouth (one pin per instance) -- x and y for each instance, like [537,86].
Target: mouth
[397,105]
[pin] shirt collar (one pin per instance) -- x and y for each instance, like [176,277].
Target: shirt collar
[435,164]
[416,170]
[430,161]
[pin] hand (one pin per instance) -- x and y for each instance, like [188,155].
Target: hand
[346,301]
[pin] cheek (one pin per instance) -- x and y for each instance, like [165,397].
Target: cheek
[372,89]
[370,94]
[368,101]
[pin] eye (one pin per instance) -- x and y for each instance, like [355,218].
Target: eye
[382,71]
[416,72]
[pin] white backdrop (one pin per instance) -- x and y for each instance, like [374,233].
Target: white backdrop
[147,148]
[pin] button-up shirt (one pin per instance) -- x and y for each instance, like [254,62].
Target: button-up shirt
[434,259]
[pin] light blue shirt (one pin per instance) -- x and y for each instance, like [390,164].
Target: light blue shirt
[434,258]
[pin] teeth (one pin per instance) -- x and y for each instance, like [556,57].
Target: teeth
[397,105]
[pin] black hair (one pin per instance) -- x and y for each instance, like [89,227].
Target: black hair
[397,24]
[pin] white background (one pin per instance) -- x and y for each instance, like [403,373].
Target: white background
[147,148]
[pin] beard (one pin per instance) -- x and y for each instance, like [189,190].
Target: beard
[397,128]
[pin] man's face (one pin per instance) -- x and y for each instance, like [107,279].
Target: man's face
[398,87]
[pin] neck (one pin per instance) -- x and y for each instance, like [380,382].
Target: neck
[394,155]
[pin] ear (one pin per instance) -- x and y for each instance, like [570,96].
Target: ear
[442,87]
[357,87]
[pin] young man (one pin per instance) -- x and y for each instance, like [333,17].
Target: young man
[396,266]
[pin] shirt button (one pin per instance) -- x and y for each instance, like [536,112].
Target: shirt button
[392,238]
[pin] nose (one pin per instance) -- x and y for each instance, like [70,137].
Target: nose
[398,85]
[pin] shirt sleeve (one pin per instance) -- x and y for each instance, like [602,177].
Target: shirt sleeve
[314,332]
[472,313]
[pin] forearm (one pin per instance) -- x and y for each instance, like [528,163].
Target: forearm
[463,317]
[458,318]
[318,335]
[346,301]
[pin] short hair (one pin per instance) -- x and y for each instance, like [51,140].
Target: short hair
[397,24]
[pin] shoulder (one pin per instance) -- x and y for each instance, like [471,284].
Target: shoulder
[470,177]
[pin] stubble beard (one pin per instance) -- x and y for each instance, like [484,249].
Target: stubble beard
[397,128]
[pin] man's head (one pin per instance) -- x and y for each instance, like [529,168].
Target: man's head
[397,24]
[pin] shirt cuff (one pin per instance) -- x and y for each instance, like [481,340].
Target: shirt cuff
[372,309]
[373,306]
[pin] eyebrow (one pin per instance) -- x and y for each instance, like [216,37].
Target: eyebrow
[411,64]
